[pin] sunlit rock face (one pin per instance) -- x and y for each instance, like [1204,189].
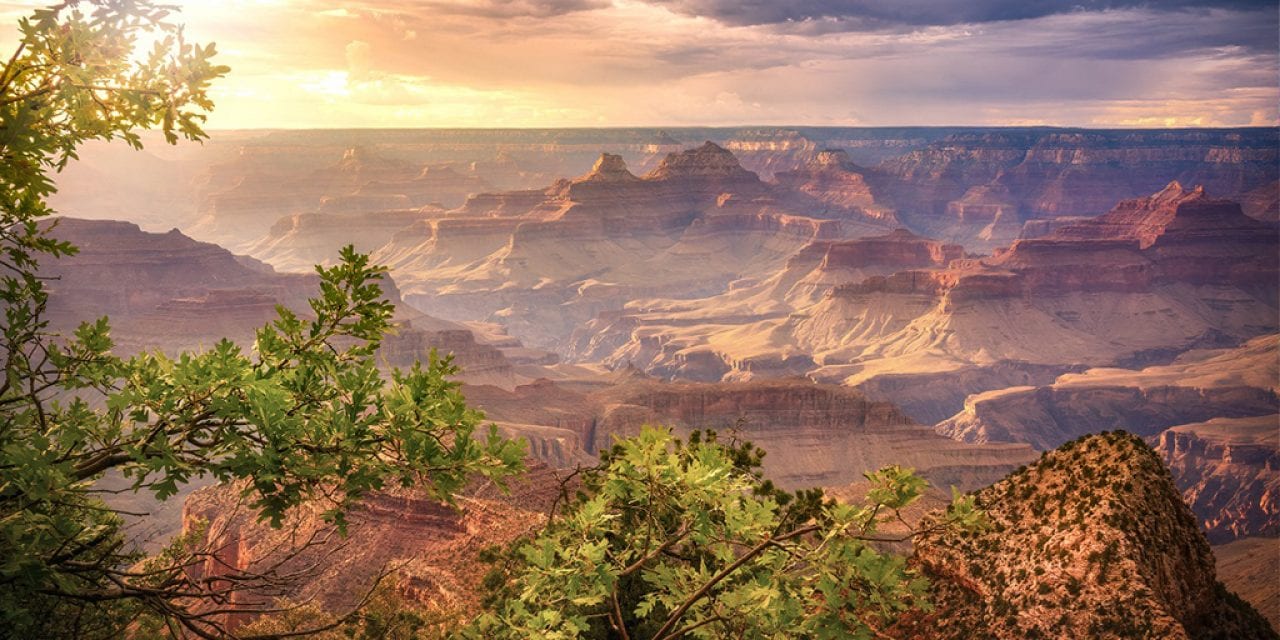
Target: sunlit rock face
[1156,275]
[1093,540]
[166,291]
[545,262]
[434,548]
[1211,415]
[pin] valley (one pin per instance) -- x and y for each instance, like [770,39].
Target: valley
[959,301]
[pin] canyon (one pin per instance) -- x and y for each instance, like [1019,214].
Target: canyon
[169,292]
[956,300]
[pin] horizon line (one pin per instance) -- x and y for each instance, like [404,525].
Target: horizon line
[686,127]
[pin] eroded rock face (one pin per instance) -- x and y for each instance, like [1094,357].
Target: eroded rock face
[1228,383]
[1210,414]
[166,282]
[955,187]
[1156,275]
[544,263]
[833,180]
[816,435]
[1093,541]
[1228,470]
[434,547]
[899,249]
[169,292]
[664,337]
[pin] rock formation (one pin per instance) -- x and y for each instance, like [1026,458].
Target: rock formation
[433,548]
[169,292]
[1199,386]
[816,435]
[1228,470]
[1156,275]
[544,262]
[1090,541]
[833,180]
[1210,414]
[1033,173]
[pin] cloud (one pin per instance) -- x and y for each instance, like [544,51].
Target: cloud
[879,13]
[494,9]
[639,62]
[359,53]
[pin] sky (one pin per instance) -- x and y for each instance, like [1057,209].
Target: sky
[599,63]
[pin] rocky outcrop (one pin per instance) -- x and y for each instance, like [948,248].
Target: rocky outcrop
[1210,414]
[834,181]
[1227,383]
[1048,173]
[1093,541]
[816,435]
[169,292]
[1228,470]
[544,263]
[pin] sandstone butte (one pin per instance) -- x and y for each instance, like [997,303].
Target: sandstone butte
[1155,275]
[545,262]
[234,188]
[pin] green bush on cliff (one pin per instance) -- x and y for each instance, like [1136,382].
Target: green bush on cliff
[674,540]
[305,416]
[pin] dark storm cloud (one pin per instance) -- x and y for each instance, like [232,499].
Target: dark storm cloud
[919,13]
[1138,35]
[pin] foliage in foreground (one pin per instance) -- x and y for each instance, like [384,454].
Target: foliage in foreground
[667,540]
[305,416]
[671,540]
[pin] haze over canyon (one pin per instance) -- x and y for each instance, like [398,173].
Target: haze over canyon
[956,300]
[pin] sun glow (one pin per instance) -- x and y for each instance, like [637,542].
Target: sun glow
[545,63]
